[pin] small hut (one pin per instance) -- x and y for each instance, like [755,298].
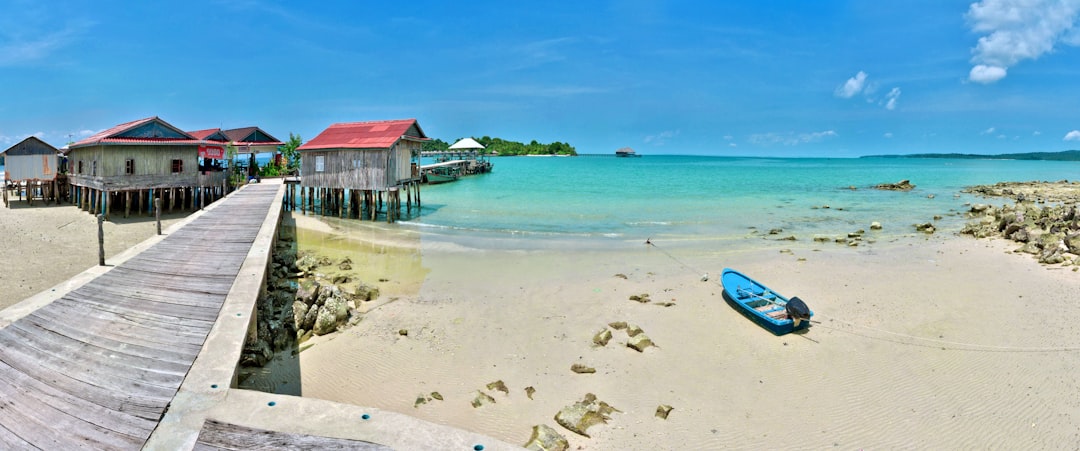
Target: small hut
[249,141]
[349,166]
[34,166]
[136,162]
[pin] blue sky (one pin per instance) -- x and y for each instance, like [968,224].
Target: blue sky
[763,78]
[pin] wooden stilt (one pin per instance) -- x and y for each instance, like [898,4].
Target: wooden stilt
[127,203]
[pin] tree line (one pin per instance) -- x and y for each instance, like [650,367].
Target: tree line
[502,147]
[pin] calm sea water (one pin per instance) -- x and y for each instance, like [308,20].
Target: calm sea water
[694,199]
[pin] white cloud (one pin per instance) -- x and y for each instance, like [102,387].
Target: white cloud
[728,137]
[888,135]
[988,131]
[661,138]
[891,98]
[789,139]
[1073,136]
[1017,30]
[986,74]
[852,86]
[733,145]
[1036,133]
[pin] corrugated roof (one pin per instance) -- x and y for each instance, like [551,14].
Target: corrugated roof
[32,145]
[365,135]
[204,134]
[110,136]
[250,136]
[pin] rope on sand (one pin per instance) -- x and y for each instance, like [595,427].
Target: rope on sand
[920,341]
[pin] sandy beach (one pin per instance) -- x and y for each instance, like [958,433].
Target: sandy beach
[42,245]
[937,341]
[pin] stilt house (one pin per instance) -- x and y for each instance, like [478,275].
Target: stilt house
[247,141]
[138,161]
[33,165]
[370,157]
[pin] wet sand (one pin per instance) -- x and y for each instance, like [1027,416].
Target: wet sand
[924,342]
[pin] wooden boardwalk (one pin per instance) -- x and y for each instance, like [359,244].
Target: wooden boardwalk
[98,367]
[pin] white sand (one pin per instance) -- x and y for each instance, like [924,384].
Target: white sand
[475,317]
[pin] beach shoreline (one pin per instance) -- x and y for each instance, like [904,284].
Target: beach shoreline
[901,356]
[923,340]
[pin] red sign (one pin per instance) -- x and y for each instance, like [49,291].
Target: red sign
[214,152]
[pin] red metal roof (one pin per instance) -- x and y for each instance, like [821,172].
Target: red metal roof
[202,134]
[109,136]
[365,135]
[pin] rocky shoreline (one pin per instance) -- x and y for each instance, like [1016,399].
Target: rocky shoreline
[1043,219]
[306,295]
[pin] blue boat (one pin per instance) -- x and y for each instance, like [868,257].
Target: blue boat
[764,306]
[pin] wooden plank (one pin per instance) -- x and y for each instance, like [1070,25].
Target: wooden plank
[105,327]
[140,368]
[167,354]
[150,329]
[219,435]
[133,404]
[185,321]
[98,375]
[28,391]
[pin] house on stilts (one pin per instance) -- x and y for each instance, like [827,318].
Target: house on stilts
[33,166]
[346,169]
[132,164]
[248,142]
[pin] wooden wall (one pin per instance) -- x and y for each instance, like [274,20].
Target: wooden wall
[368,169]
[153,166]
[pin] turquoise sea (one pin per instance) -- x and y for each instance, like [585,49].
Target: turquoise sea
[590,201]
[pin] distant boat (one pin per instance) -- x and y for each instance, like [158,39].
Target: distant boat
[626,152]
[767,308]
[439,175]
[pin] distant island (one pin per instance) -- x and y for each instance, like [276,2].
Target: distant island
[1067,155]
[502,147]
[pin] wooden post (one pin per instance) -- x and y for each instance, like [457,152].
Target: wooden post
[101,239]
[172,199]
[340,198]
[127,203]
[6,195]
[157,214]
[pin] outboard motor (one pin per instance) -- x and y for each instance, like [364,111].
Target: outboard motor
[797,310]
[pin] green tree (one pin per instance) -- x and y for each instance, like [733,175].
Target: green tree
[289,150]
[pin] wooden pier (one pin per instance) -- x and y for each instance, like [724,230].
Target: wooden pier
[143,354]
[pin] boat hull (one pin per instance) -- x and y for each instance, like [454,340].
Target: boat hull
[756,302]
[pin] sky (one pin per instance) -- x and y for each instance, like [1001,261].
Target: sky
[763,78]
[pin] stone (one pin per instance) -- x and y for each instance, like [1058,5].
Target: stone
[903,185]
[365,292]
[419,400]
[546,438]
[618,325]
[403,332]
[663,410]
[325,321]
[822,239]
[307,263]
[437,395]
[775,231]
[875,225]
[498,386]
[582,415]
[639,342]
[925,227]
[633,330]
[307,291]
[789,238]
[582,369]
[482,399]
[602,338]
[300,311]
[621,276]
[309,318]
[529,391]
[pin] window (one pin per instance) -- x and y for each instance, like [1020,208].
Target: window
[93,168]
[129,166]
[80,167]
[177,166]
[320,163]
